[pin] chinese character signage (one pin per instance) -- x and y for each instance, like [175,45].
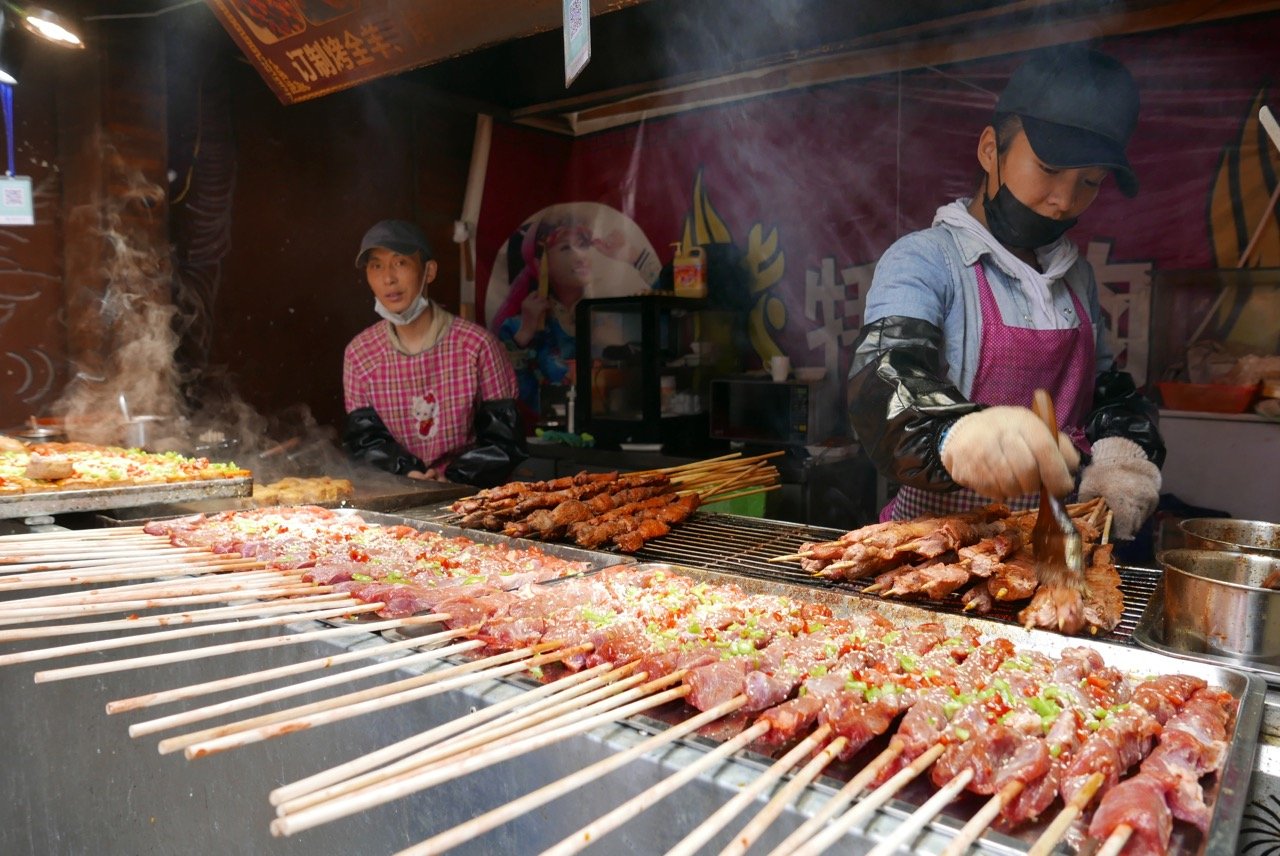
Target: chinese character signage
[308,48]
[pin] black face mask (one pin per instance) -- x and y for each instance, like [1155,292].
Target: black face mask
[1016,225]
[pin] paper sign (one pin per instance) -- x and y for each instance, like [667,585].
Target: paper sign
[16,205]
[577,38]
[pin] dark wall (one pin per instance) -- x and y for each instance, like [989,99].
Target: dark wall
[309,179]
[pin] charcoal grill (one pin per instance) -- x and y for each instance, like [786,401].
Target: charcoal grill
[743,546]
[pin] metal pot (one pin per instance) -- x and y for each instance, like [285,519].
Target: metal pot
[140,431]
[1233,536]
[1215,602]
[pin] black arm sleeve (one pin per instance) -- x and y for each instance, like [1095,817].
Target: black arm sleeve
[499,447]
[1119,410]
[900,401]
[366,438]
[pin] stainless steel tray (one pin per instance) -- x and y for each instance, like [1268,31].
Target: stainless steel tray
[1149,633]
[383,499]
[1229,792]
[94,499]
[594,559]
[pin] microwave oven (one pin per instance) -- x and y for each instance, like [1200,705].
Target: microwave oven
[757,409]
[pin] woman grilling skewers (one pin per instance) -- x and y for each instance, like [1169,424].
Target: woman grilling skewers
[966,319]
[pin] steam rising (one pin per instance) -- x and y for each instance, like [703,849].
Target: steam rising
[126,337]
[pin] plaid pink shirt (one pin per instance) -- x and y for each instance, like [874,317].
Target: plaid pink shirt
[427,400]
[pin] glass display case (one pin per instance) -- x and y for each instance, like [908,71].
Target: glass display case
[651,358]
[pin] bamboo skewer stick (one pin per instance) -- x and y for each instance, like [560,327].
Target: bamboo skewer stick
[103,556]
[351,606]
[690,844]
[152,588]
[868,804]
[76,535]
[544,720]
[1049,839]
[242,733]
[567,687]
[186,717]
[693,466]
[464,832]
[228,648]
[196,690]
[487,744]
[790,557]
[72,579]
[1116,841]
[767,815]
[460,766]
[840,799]
[94,563]
[299,591]
[984,817]
[601,826]
[741,494]
[921,817]
[318,601]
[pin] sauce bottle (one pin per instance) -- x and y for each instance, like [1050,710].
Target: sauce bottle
[689,271]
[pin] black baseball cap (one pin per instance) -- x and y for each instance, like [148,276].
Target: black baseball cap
[1078,108]
[399,236]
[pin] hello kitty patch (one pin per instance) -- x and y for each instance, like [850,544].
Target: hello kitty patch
[425,410]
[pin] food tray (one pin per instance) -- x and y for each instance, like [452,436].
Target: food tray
[1149,633]
[594,559]
[93,499]
[381,498]
[1207,397]
[1229,792]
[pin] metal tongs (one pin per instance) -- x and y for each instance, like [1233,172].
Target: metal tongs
[1055,541]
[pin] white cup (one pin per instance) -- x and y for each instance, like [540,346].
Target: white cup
[779,368]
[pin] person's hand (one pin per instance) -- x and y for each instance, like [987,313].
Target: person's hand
[429,475]
[1003,452]
[533,317]
[1129,483]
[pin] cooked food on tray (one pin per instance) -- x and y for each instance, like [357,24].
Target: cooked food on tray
[40,467]
[979,557]
[293,490]
[595,510]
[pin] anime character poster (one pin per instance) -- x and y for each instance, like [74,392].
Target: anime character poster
[557,257]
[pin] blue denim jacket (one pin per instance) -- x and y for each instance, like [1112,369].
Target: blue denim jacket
[927,275]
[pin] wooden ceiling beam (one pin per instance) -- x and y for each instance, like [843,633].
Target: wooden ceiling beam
[881,54]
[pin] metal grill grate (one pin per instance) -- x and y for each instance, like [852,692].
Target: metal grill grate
[740,545]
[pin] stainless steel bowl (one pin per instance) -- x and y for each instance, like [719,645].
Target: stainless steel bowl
[1234,536]
[1215,603]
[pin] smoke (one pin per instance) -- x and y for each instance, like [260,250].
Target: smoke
[121,331]
[132,315]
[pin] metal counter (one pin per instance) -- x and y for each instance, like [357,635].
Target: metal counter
[79,784]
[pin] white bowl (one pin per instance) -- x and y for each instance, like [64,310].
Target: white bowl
[810,374]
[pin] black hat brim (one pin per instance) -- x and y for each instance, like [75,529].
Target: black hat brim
[403,249]
[1069,148]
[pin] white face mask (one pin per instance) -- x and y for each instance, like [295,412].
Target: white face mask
[419,305]
[416,308]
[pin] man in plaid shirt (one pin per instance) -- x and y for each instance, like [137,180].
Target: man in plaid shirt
[428,395]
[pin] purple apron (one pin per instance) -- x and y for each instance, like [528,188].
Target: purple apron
[1013,362]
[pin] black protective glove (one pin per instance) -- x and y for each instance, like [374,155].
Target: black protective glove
[367,439]
[499,447]
[1119,410]
[900,401]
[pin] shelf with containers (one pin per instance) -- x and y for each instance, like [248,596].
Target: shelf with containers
[645,364]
